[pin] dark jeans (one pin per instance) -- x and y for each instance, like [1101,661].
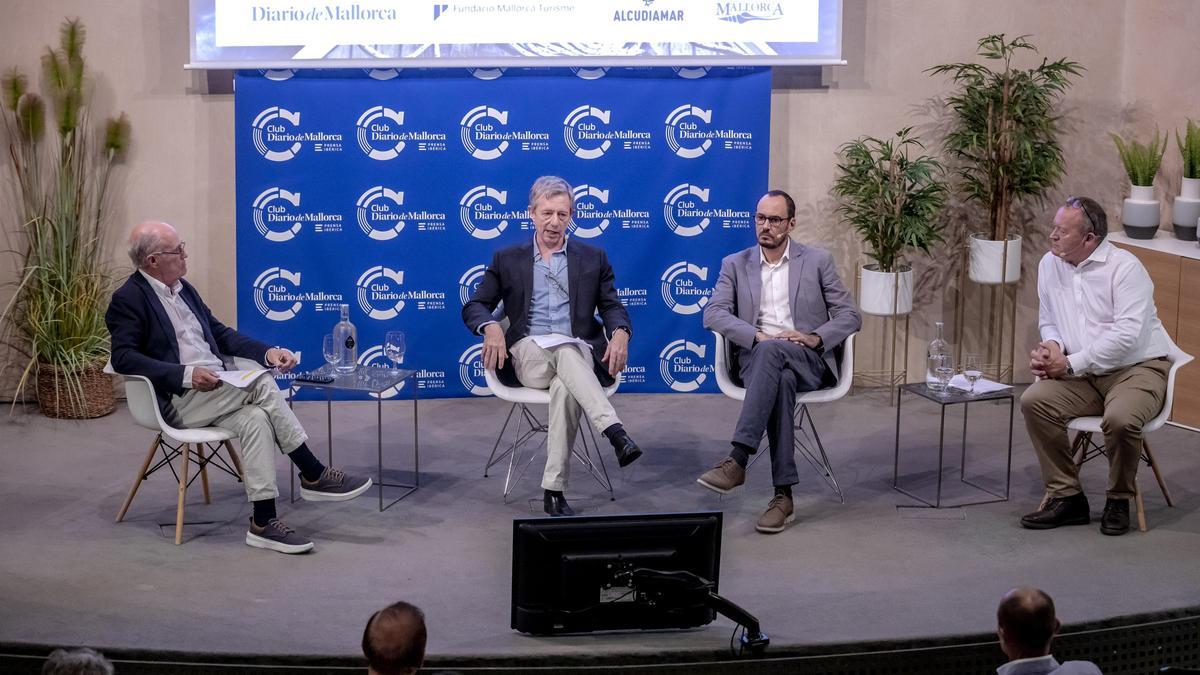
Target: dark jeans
[774,371]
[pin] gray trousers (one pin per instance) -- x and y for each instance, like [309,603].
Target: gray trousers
[259,416]
[773,371]
[573,387]
[1127,399]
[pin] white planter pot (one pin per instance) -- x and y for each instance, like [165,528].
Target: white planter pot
[988,264]
[1141,193]
[1190,188]
[1141,213]
[1186,210]
[878,290]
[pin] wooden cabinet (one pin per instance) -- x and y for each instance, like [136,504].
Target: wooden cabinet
[1174,267]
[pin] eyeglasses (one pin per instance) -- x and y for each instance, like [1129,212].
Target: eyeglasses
[1079,203]
[177,251]
[773,221]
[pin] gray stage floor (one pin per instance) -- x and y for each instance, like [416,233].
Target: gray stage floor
[865,570]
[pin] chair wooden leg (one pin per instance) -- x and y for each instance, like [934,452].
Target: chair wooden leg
[1079,447]
[141,475]
[1141,509]
[237,463]
[201,451]
[1162,485]
[183,480]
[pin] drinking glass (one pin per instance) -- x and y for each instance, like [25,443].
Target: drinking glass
[973,370]
[394,346]
[329,349]
[944,371]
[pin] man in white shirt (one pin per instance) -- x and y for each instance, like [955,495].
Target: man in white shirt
[1103,352]
[784,309]
[162,330]
[1026,625]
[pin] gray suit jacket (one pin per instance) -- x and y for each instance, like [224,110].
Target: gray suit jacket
[819,301]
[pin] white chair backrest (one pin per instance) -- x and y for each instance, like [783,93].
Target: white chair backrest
[1178,359]
[729,388]
[526,395]
[139,396]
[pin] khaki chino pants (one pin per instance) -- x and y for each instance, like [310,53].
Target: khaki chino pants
[1127,399]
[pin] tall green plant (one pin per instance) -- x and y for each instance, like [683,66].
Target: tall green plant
[890,198]
[1189,147]
[55,218]
[1005,129]
[1141,161]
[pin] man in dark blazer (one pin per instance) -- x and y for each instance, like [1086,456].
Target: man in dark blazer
[784,309]
[162,330]
[552,290]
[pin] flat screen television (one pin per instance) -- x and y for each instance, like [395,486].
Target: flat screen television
[579,574]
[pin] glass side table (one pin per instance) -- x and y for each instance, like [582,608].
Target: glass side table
[955,397]
[375,381]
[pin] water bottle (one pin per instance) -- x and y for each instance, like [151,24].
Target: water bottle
[345,339]
[935,356]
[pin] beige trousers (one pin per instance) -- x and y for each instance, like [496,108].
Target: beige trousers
[573,386]
[1127,399]
[260,417]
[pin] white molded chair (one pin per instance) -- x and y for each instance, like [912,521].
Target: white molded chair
[199,446]
[808,447]
[518,460]
[1084,448]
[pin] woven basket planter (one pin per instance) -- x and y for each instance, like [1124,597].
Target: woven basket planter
[57,401]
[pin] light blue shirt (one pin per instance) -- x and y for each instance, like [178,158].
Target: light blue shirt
[550,306]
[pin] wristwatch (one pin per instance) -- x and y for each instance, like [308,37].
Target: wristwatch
[1070,370]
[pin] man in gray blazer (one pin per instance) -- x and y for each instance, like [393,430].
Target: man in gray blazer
[784,309]
[1026,626]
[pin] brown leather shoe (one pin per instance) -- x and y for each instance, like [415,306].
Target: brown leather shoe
[777,516]
[724,476]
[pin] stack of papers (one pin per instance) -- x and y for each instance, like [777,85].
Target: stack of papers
[982,385]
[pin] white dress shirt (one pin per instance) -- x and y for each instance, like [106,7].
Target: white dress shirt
[193,348]
[774,310]
[1101,312]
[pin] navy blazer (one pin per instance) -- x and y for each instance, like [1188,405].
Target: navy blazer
[144,343]
[589,280]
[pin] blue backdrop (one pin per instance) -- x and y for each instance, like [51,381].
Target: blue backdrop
[389,191]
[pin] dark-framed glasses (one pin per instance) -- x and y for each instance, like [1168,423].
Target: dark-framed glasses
[773,221]
[179,250]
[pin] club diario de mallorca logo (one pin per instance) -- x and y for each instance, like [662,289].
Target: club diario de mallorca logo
[683,210]
[277,136]
[485,136]
[267,211]
[744,12]
[379,134]
[379,293]
[469,281]
[484,212]
[274,288]
[685,288]
[690,133]
[587,134]
[682,367]
[379,214]
[590,220]
[470,371]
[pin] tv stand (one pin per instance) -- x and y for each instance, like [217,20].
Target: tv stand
[686,587]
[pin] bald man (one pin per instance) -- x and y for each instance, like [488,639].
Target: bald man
[162,330]
[394,640]
[1026,627]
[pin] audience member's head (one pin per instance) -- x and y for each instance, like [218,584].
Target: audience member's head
[1026,623]
[76,662]
[394,640]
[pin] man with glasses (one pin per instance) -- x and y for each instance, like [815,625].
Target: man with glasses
[552,291]
[784,309]
[162,330]
[1103,352]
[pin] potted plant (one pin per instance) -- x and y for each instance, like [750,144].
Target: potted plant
[55,217]
[892,200]
[1185,214]
[1004,138]
[1140,213]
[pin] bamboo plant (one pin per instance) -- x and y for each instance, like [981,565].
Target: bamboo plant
[56,217]
[890,198]
[1005,126]
[1141,161]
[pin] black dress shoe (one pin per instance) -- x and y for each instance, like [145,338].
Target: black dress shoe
[627,451]
[556,504]
[1059,511]
[1116,517]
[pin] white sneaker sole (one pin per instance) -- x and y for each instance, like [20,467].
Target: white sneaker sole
[716,489]
[316,496]
[775,530]
[270,544]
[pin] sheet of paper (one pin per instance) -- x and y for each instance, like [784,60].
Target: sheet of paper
[982,385]
[240,378]
[557,340]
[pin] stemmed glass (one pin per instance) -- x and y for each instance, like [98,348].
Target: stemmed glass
[329,349]
[973,370]
[394,345]
[943,372]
